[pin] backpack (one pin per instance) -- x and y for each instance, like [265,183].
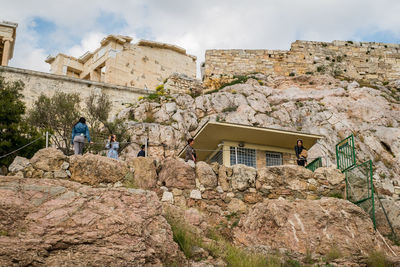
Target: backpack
[304,153]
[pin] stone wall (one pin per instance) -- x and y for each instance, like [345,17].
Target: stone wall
[180,83]
[37,83]
[210,187]
[354,60]
[145,64]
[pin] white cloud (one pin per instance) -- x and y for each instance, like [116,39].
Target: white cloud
[200,25]
[90,42]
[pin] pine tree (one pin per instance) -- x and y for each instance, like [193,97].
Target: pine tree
[15,132]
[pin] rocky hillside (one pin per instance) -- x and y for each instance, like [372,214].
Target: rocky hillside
[57,208]
[315,104]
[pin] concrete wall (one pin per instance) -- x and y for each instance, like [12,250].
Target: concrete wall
[37,83]
[354,60]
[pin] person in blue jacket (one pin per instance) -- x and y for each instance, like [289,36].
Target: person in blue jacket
[112,146]
[79,133]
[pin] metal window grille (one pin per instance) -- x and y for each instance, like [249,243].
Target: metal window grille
[240,155]
[217,157]
[273,159]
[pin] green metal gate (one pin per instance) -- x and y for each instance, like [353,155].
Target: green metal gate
[360,187]
[345,153]
[315,164]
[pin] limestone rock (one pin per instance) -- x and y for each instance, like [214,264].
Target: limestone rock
[332,175]
[94,169]
[242,177]
[167,197]
[236,205]
[308,225]
[223,178]
[48,159]
[61,174]
[67,223]
[206,175]
[193,216]
[145,175]
[195,194]
[176,173]
[19,164]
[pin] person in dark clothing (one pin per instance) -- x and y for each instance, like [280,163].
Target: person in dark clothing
[190,152]
[300,153]
[142,153]
[79,133]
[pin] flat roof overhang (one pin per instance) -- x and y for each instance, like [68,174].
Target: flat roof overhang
[212,134]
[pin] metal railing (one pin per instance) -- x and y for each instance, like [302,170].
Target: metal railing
[315,164]
[345,154]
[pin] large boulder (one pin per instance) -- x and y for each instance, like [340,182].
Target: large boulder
[332,175]
[283,174]
[176,173]
[145,174]
[48,159]
[94,169]
[242,177]
[63,223]
[309,225]
[18,165]
[206,175]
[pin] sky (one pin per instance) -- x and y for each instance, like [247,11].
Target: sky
[74,26]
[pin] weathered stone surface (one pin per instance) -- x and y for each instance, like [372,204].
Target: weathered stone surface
[333,175]
[236,205]
[62,174]
[193,216]
[167,197]
[59,223]
[145,175]
[223,178]
[242,177]
[48,159]
[206,175]
[195,194]
[305,225]
[19,164]
[177,174]
[94,169]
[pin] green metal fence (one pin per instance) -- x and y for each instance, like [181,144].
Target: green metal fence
[315,164]
[345,153]
[360,189]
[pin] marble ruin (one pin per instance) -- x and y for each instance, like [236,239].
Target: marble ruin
[7,41]
[145,64]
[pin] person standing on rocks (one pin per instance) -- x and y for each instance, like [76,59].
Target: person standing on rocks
[301,153]
[142,153]
[112,146]
[79,133]
[190,151]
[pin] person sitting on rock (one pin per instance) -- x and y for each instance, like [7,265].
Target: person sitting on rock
[79,133]
[142,153]
[190,152]
[301,153]
[112,146]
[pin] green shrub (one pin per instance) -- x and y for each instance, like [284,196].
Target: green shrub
[333,254]
[321,69]
[230,109]
[183,235]
[292,74]
[378,259]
